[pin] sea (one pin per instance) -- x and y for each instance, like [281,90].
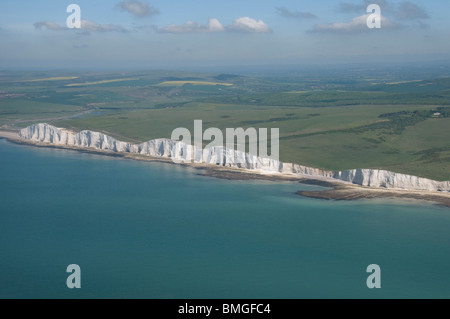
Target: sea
[162,231]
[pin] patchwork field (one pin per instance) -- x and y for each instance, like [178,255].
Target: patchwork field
[181,83]
[347,126]
[61,78]
[101,82]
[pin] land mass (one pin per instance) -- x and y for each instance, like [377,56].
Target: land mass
[332,119]
[340,189]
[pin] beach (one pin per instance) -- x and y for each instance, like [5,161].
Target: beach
[10,135]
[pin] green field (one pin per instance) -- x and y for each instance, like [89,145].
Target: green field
[350,125]
[181,83]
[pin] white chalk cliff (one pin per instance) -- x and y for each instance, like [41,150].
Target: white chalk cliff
[180,152]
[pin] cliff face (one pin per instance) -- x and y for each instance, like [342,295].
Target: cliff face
[49,134]
[386,179]
[180,152]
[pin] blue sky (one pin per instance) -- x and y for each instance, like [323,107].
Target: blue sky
[171,33]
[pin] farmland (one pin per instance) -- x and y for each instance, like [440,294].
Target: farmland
[385,122]
[181,83]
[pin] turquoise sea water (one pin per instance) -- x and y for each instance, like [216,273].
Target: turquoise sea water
[153,230]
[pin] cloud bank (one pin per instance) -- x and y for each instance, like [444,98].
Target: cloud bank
[393,15]
[213,25]
[405,10]
[86,26]
[246,24]
[139,9]
[49,25]
[243,24]
[357,24]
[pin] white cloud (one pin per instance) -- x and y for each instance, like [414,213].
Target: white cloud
[139,9]
[48,25]
[213,25]
[246,24]
[357,24]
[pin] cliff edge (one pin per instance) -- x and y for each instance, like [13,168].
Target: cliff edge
[181,152]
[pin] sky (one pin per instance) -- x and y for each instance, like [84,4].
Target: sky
[180,33]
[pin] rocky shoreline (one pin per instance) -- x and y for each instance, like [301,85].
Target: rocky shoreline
[350,192]
[337,190]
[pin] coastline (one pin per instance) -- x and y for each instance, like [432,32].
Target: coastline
[10,135]
[337,190]
[342,192]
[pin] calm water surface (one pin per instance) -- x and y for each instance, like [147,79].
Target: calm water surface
[152,230]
